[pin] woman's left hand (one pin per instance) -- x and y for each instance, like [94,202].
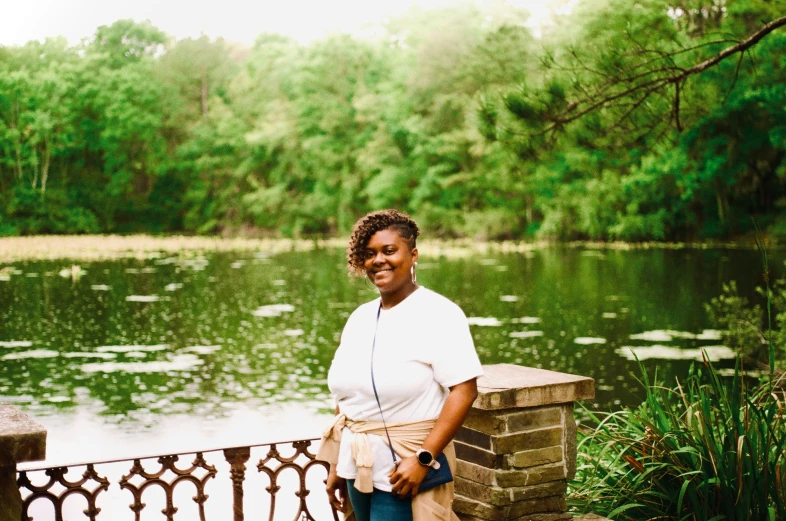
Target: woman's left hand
[407,476]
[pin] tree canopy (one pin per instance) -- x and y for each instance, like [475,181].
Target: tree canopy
[647,120]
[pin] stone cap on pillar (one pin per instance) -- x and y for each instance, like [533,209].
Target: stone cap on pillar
[21,438]
[505,386]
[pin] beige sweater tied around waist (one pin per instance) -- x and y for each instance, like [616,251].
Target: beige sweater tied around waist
[407,438]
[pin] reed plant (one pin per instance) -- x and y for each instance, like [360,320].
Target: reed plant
[708,449]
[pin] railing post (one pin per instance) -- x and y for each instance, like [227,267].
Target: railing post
[517,448]
[21,439]
[237,458]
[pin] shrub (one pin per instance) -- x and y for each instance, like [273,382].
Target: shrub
[30,212]
[740,321]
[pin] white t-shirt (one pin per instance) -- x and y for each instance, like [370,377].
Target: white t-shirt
[423,347]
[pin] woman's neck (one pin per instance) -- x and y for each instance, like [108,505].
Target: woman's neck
[397,297]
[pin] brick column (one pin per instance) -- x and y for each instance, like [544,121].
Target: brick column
[517,448]
[21,439]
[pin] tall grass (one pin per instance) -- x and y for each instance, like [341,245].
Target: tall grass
[705,450]
[768,295]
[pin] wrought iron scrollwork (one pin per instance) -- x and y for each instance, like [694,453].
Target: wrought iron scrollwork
[72,488]
[274,463]
[167,476]
[155,479]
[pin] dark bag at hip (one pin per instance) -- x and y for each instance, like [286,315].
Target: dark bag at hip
[437,477]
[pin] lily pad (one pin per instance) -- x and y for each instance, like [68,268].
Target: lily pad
[589,340]
[662,352]
[16,343]
[273,310]
[526,334]
[35,353]
[484,321]
[142,298]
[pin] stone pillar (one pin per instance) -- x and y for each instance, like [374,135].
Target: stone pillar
[517,448]
[21,439]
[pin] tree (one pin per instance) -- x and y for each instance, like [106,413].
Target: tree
[196,70]
[630,77]
[126,41]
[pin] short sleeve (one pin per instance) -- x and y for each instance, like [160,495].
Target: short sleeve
[454,359]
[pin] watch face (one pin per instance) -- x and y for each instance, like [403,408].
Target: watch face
[425,457]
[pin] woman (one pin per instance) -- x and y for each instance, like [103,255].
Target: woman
[424,368]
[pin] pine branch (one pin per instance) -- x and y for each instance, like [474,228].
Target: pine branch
[594,101]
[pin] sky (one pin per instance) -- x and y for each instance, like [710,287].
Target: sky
[234,20]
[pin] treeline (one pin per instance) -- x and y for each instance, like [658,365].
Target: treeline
[461,117]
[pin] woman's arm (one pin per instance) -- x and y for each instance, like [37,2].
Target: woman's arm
[336,486]
[336,490]
[409,474]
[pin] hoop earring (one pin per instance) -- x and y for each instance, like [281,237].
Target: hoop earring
[412,272]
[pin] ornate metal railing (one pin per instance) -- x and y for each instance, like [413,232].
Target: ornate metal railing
[104,489]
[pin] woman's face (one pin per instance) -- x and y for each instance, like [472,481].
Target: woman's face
[388,261]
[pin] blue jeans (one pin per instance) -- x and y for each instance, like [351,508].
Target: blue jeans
[379,505]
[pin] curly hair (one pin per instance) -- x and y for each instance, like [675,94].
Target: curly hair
[370,224]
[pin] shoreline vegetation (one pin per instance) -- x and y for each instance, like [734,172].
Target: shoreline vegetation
[87,248]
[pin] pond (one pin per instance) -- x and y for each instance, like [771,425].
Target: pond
[193,351]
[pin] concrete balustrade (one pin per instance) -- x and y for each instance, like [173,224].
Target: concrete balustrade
[21,440]
[517,448]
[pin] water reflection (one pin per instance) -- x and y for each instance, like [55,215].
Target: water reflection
[136,344]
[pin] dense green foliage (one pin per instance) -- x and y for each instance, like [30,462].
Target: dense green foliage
[448,115]
[705,450]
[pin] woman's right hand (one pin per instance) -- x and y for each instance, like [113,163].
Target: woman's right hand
[337,490]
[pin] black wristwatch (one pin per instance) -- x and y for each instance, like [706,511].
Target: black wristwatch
[426,458]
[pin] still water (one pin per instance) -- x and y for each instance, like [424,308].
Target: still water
[133,357]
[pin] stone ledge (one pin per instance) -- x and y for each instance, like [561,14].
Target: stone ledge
[511,478]
[506,421]
[21,439]
[510,443]
[535,457]
[531,476]
[495,496]
[478,456]
[466,508]
[504,386]
[527,517]
[547,517]
[526,440]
